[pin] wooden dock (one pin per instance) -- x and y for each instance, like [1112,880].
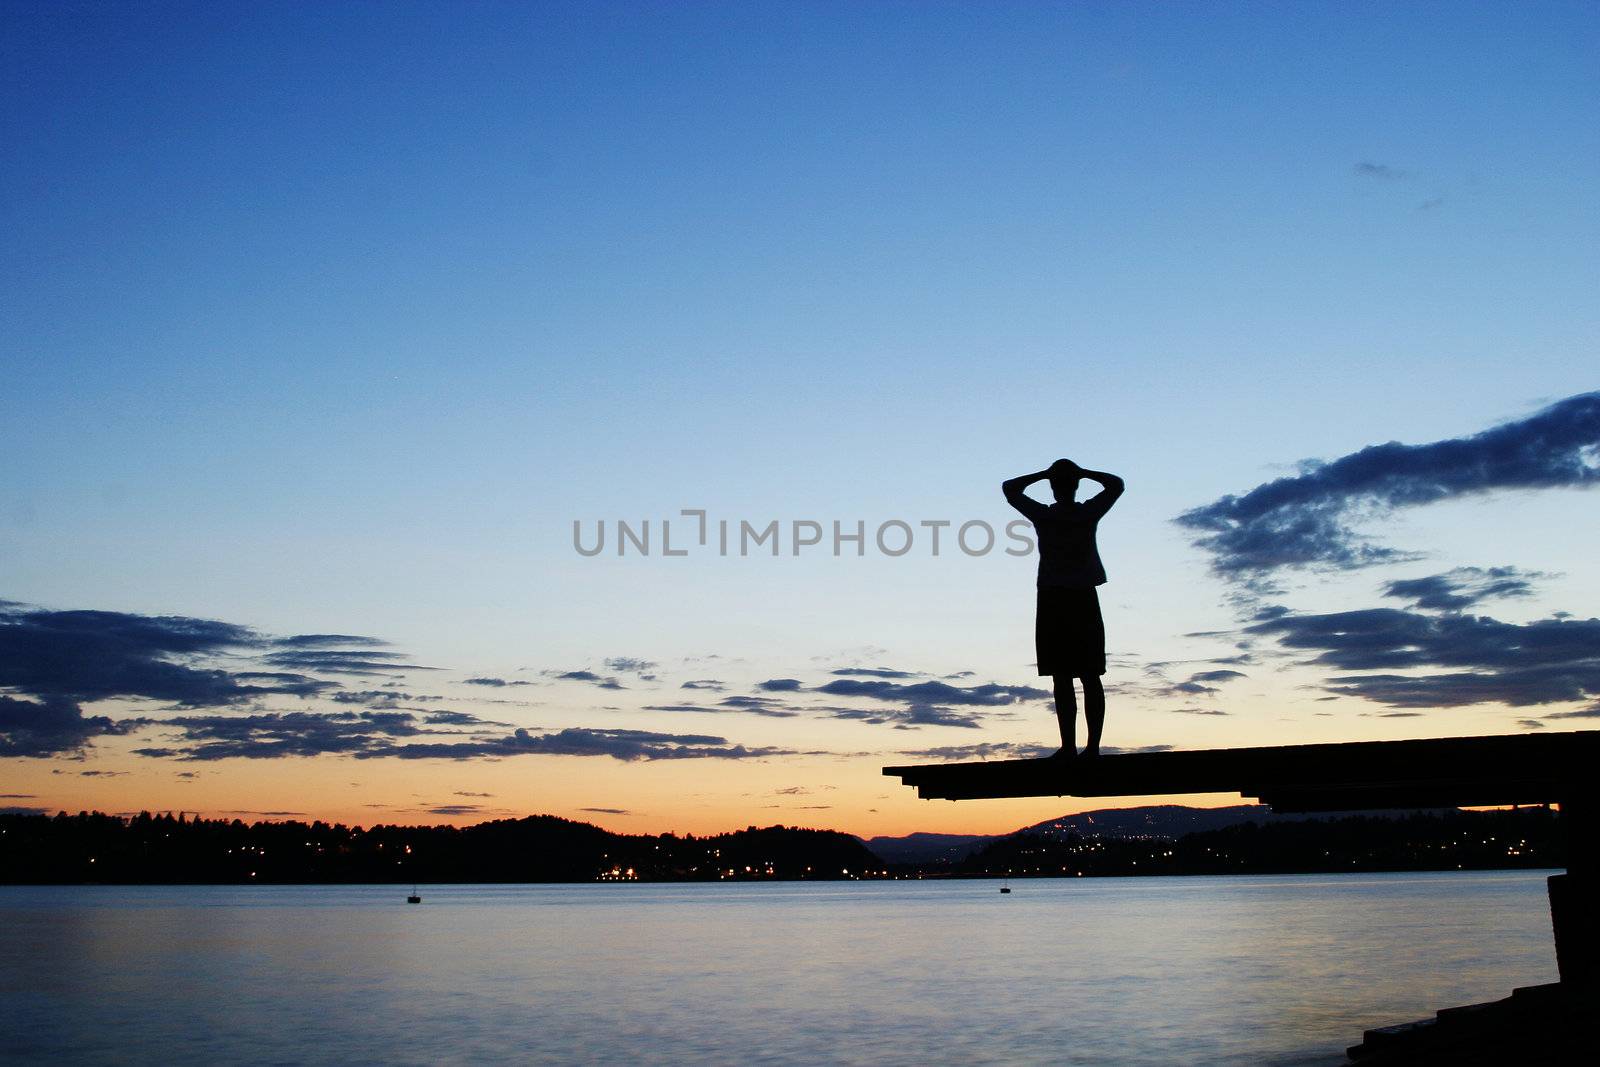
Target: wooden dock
[1436,772]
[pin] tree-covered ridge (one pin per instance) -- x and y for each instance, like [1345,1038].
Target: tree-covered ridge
[92,847]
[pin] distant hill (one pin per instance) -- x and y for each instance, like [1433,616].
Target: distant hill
[923,848]
[1156,820]
[540,848]
[1440,840]
[1165,821]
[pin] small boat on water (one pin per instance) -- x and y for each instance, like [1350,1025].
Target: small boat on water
[1005,887]
[413,898]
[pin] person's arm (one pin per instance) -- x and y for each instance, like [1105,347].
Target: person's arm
[1101,502]
[1013,488]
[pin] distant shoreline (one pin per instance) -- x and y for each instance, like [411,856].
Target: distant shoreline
[98,849]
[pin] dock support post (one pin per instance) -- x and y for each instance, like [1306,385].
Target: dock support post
[1575,896]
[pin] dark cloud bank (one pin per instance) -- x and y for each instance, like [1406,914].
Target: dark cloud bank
[1434,652]
[1452,659]
[51,662]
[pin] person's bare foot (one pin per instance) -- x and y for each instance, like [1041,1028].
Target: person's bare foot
[1091,753]
[1063,754]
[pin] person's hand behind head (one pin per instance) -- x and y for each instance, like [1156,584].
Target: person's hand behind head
[1064,468]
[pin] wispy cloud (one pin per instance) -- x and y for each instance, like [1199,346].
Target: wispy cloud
[734,705]
[874,672]
[1308,519]
[1463,587]
[644,668]
[397,735]
[584,675]
[360,662]
[1547,661]
[905,705]
[981,751]
[1381,171]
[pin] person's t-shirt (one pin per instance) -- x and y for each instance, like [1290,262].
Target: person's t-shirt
[1068,555]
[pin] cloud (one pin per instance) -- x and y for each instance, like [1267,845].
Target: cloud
[496,683]
[455,809]
[52,727]
[991,694]
[391,735]
[910,716]
[625,745]
[711,684]
[926,703]
[1581,713]
[733,705]
[608,811]
[457,718]
[22,809]
[95,655]
[1217,676]
[1197,711]
[1547,661]
[877,672]
[326,641]
[379,698]
[1463,587]
[586,676]
[1307,520]
[982,750]
[1381,171]
[467,793]
[631,665]
[272,735]
[361,662]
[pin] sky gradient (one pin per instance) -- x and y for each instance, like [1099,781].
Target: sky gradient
[333,321]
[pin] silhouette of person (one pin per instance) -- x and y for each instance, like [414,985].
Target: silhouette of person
[1069,634]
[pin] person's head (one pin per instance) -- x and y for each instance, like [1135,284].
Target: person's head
[1064,477]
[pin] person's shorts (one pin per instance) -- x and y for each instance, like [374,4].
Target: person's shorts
[1068,634]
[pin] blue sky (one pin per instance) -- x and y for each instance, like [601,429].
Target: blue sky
[333,320]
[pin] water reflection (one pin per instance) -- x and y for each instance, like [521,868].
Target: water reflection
[1136,971]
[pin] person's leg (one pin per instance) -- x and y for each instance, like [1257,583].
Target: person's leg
[1094,711]
[1067,713]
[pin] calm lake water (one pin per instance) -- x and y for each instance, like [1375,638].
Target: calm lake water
[1275,970]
